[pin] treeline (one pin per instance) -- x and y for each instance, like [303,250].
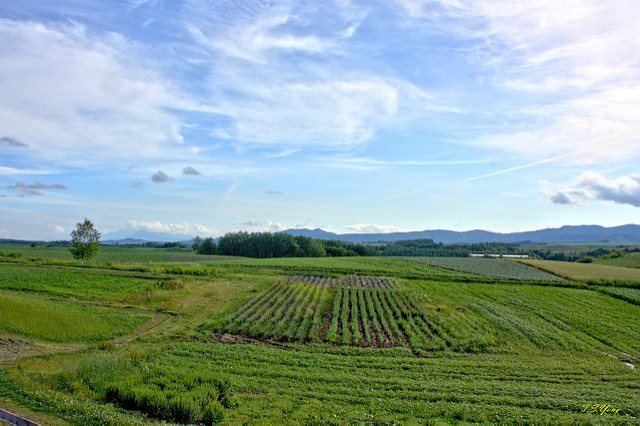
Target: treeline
[427,247]
[577,256]
[266,245]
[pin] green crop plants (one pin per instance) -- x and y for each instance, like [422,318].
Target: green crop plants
[587,271]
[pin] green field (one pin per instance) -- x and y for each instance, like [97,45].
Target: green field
[71,282]
[112,254]
[499,268]
[304,341]
[51,321]
[631,260]
[586,271]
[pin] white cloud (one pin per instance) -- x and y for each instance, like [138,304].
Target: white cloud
[160,177]
[594,186]
[190,171]
[285,153]
[624,190]
[172,228]
[563,198]
[373,229]
[316,113]
[273,226]
[79,99]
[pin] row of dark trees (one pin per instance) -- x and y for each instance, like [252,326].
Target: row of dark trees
[265,244]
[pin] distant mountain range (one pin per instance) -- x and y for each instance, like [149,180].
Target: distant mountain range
[626,234]
[566,234]
[140,237]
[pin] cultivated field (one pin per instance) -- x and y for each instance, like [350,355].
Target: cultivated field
[297,341]
[631,260]
[490,267]
[586,271]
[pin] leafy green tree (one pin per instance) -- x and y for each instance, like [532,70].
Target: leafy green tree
[208,246]
[85,240]
[197,242]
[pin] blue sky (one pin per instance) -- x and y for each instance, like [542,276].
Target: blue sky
[205,117]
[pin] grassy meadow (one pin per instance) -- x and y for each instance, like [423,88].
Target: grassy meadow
[317,340]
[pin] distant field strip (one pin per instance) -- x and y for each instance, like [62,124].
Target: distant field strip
[113,254]
[630,260]
[84,284]
[350,280]
[499,268]
[366,312]
[586,271]
[631,295]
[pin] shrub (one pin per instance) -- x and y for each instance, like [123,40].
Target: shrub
[213,414]
[168,284]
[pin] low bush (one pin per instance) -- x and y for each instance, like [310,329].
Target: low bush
[173,396]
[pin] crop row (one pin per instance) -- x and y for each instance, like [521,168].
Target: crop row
[342,315]
[349,280]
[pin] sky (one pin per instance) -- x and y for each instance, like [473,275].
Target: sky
[199,117]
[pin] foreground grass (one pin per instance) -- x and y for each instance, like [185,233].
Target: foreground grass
[296,385]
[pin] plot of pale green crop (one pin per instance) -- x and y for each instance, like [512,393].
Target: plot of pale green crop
[631,295]
[63,322]
[586,271]
[631,260]
[499,268]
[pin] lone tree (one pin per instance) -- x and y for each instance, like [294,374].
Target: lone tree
[85,239]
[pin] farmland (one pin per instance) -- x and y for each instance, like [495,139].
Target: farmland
[500,268]
[631,260]
[587,271]
[334,340]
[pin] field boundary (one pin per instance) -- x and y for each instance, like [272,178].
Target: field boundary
[15,419]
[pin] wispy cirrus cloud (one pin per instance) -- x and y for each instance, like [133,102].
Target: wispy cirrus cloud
[281,79]
[574,63]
